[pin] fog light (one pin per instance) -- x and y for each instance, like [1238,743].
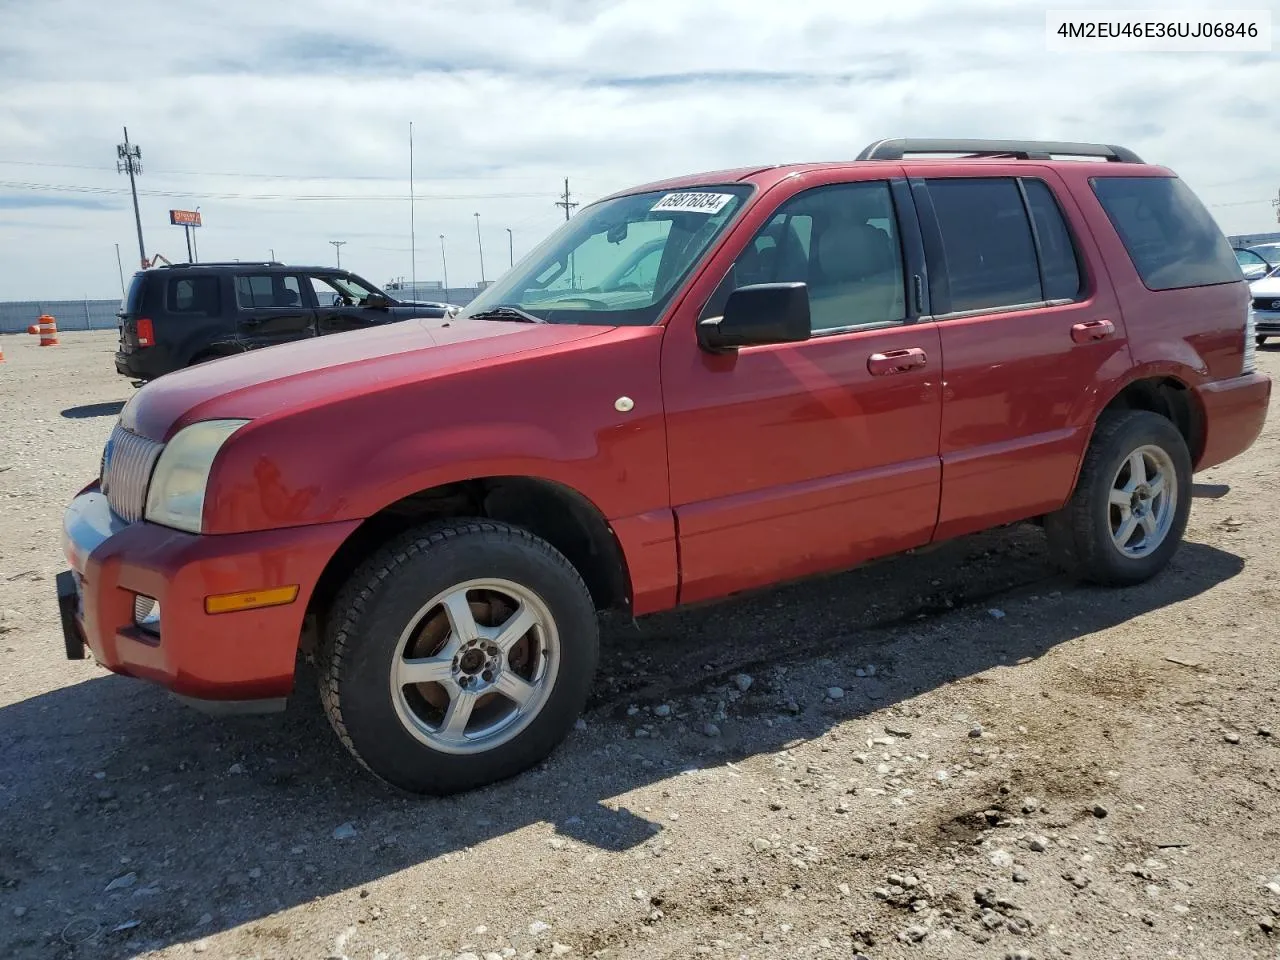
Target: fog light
[146,613]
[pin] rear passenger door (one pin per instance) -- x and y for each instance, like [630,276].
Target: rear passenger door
[271,309]
[1030,337]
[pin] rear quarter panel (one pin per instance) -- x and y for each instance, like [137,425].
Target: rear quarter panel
[1194,334]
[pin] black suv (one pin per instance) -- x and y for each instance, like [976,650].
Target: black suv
[174,316]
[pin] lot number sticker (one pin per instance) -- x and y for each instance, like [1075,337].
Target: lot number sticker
[708,203]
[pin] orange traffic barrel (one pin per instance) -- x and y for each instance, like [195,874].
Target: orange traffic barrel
[48,331]
[33,329]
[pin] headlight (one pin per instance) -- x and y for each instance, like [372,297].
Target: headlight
[176,496]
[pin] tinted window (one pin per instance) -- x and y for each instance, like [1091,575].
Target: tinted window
[268,290]
[840,240]
[991,257]
[195,295]
[132,302]
[1059,269]
[1171,238]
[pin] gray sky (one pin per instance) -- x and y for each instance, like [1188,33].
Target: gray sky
[245,109]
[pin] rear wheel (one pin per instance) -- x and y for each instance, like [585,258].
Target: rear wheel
[1261,341]
[1128,512]
[459,655]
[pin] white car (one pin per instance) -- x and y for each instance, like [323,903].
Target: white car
[1266,305]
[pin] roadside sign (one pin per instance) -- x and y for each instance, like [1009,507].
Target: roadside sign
[184,218]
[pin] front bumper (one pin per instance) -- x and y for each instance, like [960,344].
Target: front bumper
[239,657]
[1267,322]
[1234,413]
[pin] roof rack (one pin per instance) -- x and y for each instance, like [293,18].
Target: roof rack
[224,263]
[1018,149]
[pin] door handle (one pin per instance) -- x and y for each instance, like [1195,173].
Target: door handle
[896,361]
[1092,330]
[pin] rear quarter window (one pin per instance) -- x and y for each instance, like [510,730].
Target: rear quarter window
[1170,236]
[197,296]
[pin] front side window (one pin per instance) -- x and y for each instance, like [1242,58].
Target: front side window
[267,290]
[1170,236]
[986,238]
[195,295]
[343,291]
[619,261]
[842,242]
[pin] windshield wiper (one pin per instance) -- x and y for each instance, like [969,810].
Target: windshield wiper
[506,313]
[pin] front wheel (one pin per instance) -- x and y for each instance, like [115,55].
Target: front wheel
[458,655]
[1128,512]
[1260,341]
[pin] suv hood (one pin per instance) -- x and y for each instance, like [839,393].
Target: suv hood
[297,375]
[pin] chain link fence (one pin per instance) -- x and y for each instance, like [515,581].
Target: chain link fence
[17,315]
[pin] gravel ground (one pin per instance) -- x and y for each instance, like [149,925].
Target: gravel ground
[953,753]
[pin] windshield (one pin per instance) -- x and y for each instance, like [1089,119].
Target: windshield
[1269,252]
[619,261]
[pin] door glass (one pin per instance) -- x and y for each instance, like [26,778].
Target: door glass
[256,291]
[842,241]
[991,257]
[1059,267]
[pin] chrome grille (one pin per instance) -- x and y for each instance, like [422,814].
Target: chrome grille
[127,462]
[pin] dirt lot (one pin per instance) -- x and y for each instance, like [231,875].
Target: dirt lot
[950,754]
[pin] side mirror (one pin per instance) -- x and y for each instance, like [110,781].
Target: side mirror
[758,314]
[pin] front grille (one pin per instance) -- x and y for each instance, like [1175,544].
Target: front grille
[127,463]
[1266,303]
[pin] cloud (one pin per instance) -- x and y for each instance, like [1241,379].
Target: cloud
[242,108]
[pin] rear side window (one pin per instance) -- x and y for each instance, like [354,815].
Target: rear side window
[268,290]
[1171,238]
[193,295]
[986,238]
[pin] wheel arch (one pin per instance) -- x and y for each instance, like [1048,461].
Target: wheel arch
[1160,391]
[562,516]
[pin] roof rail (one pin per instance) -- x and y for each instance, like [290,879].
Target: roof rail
[1019,149]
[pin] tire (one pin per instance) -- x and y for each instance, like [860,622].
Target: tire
[1260,341]
[395,604]
[1083,534]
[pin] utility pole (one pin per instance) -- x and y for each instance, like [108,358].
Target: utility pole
[1276,203]
[195,244]
[129,160]
[337,246]
[480,244]
[444,266]
[120,267]
[413,246]
[564,201]
[511,248]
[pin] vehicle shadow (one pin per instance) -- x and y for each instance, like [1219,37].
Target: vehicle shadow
[223,822]
[90,410]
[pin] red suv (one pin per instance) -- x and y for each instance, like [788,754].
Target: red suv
[692,388]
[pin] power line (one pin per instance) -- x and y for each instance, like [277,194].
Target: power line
[198,195]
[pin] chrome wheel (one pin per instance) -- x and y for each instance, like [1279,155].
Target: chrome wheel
[475,666]
[1144,498]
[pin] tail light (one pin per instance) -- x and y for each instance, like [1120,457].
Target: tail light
[146,333]
[1250,342]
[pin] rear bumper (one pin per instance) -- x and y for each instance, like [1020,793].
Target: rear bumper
[143,364]
[246,656]
[1234,413]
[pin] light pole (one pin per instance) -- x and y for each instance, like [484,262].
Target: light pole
[337,246]
[511,248]
[444,266]
[120,268]
[480,244]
